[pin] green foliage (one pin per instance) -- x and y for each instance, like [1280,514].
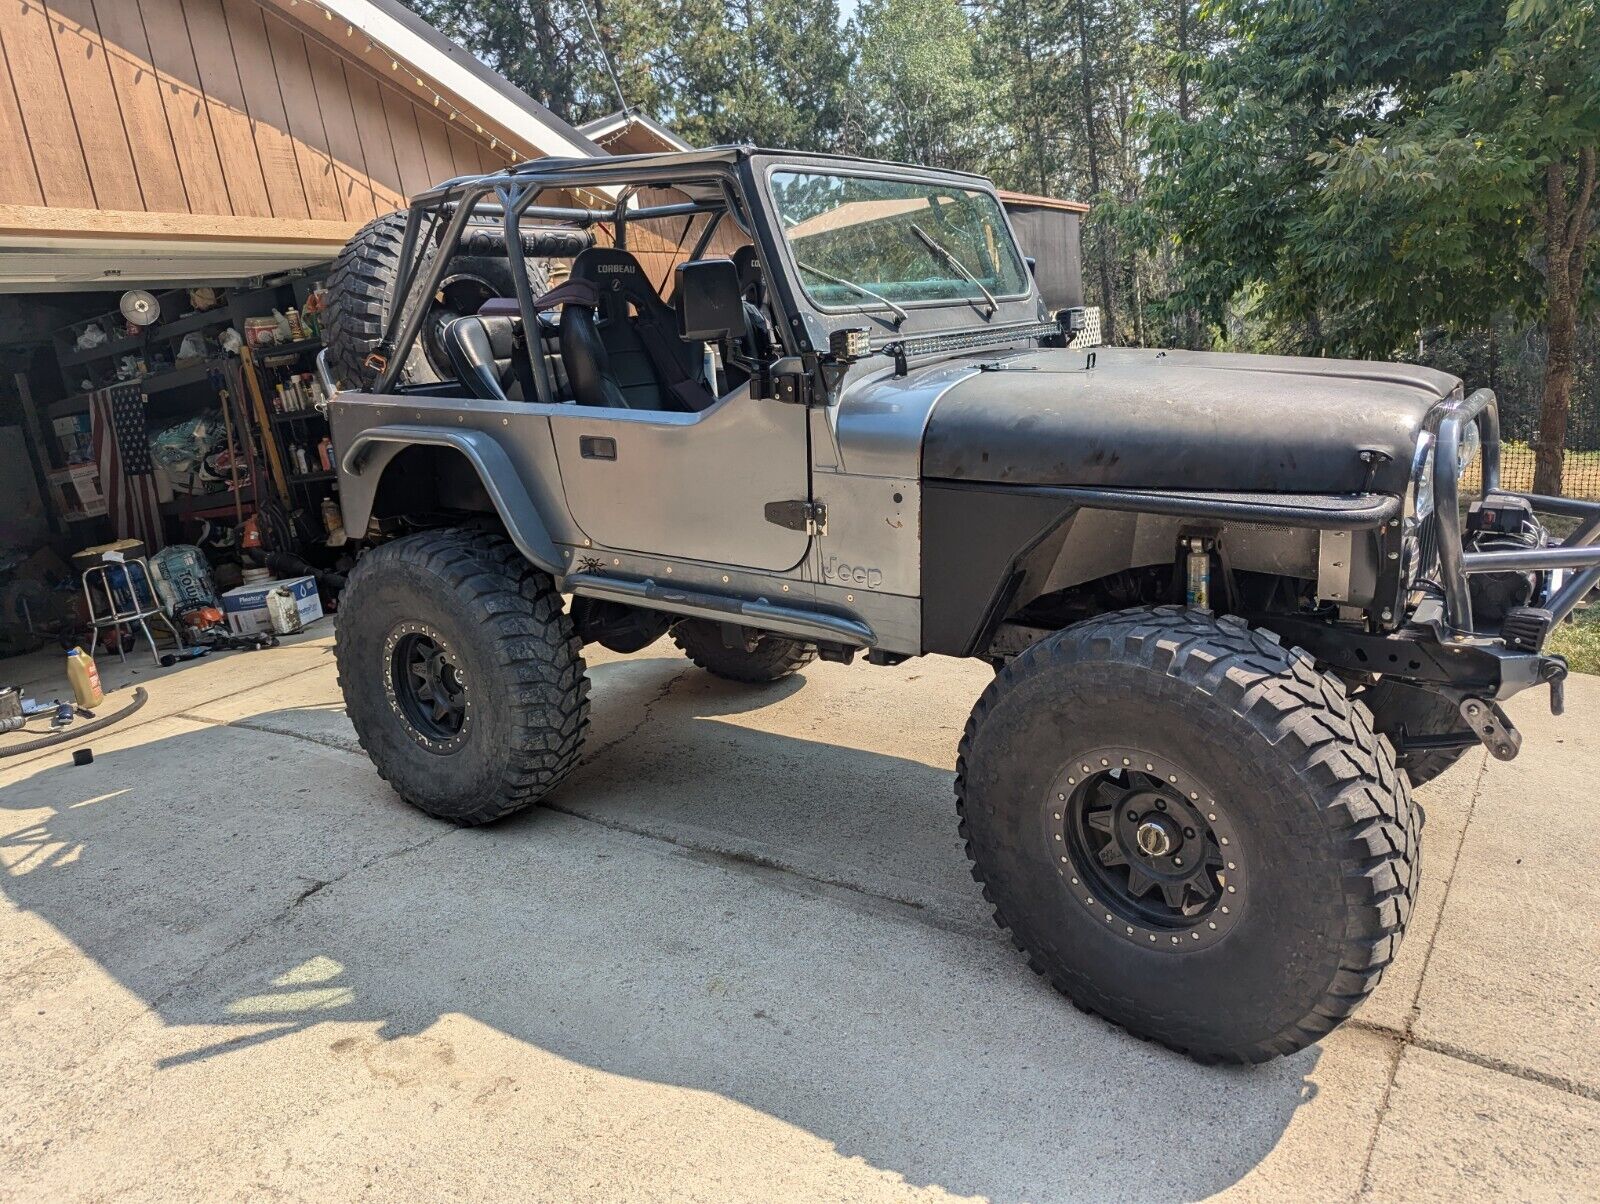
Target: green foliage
[1373,169]
[915,93]
[772,72]
[545,47]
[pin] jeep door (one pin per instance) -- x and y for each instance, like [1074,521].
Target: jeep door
[688,486]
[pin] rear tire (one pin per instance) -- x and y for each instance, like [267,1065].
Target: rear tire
[461,674]
[361,301]
[1421,713]
[771,658]
[1220,746]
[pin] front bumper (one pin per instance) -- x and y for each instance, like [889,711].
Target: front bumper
[1572,566]
[1436,644]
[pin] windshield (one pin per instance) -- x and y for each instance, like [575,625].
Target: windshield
[859,241]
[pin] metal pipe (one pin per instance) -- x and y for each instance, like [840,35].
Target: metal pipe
[1573,592]
[400,347]
[1567,506]
[1531,559]
[1447,510]
[523,287]
[1488,420]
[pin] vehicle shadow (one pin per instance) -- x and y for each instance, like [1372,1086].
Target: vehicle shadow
[254,887]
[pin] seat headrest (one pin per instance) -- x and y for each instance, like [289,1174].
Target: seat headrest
[618,277]
[749,268]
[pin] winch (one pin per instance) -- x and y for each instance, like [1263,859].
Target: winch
[1502,524]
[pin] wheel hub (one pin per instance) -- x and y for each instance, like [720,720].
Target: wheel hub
[1156,837]
[427,688]
[1146,848]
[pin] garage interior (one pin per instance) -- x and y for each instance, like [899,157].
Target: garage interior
[181,175]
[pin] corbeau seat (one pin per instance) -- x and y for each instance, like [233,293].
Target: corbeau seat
[624,350]
[754,290]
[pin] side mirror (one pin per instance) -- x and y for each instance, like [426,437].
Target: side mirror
[1033,265]
[709,301]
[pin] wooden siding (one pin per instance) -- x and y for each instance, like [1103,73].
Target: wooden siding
[214,108]
[661,244]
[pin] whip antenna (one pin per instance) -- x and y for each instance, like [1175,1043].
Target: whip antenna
[605,58]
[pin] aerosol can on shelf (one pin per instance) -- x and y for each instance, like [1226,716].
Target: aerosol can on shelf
[85,678]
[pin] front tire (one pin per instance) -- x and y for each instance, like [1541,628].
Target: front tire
[1421,713]
[759,659]
[1190,831]
[461,674]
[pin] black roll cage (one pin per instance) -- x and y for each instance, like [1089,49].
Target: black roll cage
[509,196]
[456,202]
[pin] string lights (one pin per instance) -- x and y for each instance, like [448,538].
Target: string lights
[452,113]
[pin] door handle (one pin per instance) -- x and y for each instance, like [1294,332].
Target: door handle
[597,447]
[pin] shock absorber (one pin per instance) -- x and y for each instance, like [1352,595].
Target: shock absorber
[1197,572]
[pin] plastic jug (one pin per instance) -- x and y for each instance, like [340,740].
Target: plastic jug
[85,679]
[283,611]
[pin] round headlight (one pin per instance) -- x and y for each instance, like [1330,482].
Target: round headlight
[1424,496]
[1467,451]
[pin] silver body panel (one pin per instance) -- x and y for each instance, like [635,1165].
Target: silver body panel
[691,486]
[683,502]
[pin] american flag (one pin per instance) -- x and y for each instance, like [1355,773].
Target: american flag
[122,453]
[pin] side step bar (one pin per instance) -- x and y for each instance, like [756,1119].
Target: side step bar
[761,613]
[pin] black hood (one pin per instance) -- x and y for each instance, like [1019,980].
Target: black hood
[1183,420]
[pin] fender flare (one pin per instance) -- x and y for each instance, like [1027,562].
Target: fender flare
[371,451]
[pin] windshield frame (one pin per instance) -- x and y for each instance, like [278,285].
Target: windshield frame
[975,185]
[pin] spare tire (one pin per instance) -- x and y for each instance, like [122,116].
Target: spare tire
[361,299]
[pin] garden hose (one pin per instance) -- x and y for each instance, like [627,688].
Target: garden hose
[139,697]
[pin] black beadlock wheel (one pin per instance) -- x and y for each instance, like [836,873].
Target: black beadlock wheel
[1151,846]
[1190,831]
[461,674]
[760,659]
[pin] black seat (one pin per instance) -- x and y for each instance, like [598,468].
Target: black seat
[625,352]
[759,343]
[483,351]
[749,269]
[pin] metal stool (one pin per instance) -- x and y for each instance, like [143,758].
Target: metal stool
[136,612]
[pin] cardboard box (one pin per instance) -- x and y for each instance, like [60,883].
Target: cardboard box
[76,491]
[246,607]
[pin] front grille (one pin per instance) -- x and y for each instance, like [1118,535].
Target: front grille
[1427,566]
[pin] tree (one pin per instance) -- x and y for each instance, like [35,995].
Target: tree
[546,48]
[772,73]
[915,90]
[1368,171]
[1024,53]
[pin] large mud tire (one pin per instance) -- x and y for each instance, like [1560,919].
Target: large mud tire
[772,658]
[461,674]
[1421,713]
[1228,737]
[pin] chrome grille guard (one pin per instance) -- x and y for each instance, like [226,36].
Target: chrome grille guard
[1446,422]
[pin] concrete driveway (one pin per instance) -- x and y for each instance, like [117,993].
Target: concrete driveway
[740,957]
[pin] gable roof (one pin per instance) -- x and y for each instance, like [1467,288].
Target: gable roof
[428,62]
[632,133]
[232,140]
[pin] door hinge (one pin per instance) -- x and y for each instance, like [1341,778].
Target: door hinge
[810,517]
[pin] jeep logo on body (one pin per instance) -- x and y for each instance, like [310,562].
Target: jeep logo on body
[851,574]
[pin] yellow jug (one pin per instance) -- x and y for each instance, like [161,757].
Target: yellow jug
[85,678]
